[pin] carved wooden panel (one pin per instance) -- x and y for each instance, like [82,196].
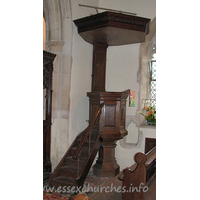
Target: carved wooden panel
[122,118]
[110,115]
[48,59]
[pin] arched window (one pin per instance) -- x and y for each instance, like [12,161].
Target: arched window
[152,69]
[152,77]
[147,71]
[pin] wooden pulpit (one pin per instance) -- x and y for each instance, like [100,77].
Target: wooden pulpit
[103,30]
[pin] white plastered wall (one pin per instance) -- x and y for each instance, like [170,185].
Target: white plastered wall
[57,14]
[123,71]
[71,75]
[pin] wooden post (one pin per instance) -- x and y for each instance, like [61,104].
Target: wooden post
[99,67]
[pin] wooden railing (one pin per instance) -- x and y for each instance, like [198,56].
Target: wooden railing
[67,154]
[141,174]
[76,153]
[81,175]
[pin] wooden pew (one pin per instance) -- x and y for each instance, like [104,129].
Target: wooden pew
[139,177]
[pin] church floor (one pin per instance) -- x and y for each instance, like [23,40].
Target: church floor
[93,185]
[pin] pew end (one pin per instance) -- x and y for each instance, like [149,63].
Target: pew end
[139,177]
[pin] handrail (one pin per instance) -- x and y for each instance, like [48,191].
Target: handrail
[68,151]
[77,151]
[151,156]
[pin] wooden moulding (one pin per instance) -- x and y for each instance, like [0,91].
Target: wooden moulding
[113,29]
[48,59]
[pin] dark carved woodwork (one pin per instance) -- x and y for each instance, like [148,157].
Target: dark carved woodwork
[48,59]
[113,29]
[150,143]
[99,67]
[103,30]
[112,126]
[142,173]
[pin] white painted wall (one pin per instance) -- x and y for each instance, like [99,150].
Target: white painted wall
[80,74]
[122,73]
[143,8]
[125,155]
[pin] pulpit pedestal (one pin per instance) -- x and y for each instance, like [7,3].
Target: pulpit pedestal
[111,126]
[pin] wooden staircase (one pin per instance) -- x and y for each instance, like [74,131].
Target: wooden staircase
[76,163]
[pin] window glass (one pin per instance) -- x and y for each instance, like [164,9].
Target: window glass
[152,77]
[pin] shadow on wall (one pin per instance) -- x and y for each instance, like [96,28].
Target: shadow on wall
[135,136]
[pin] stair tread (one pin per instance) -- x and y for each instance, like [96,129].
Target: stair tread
[70,168]
[87,141]
[64,179]
[83,148]
[81,159]
[61,181]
